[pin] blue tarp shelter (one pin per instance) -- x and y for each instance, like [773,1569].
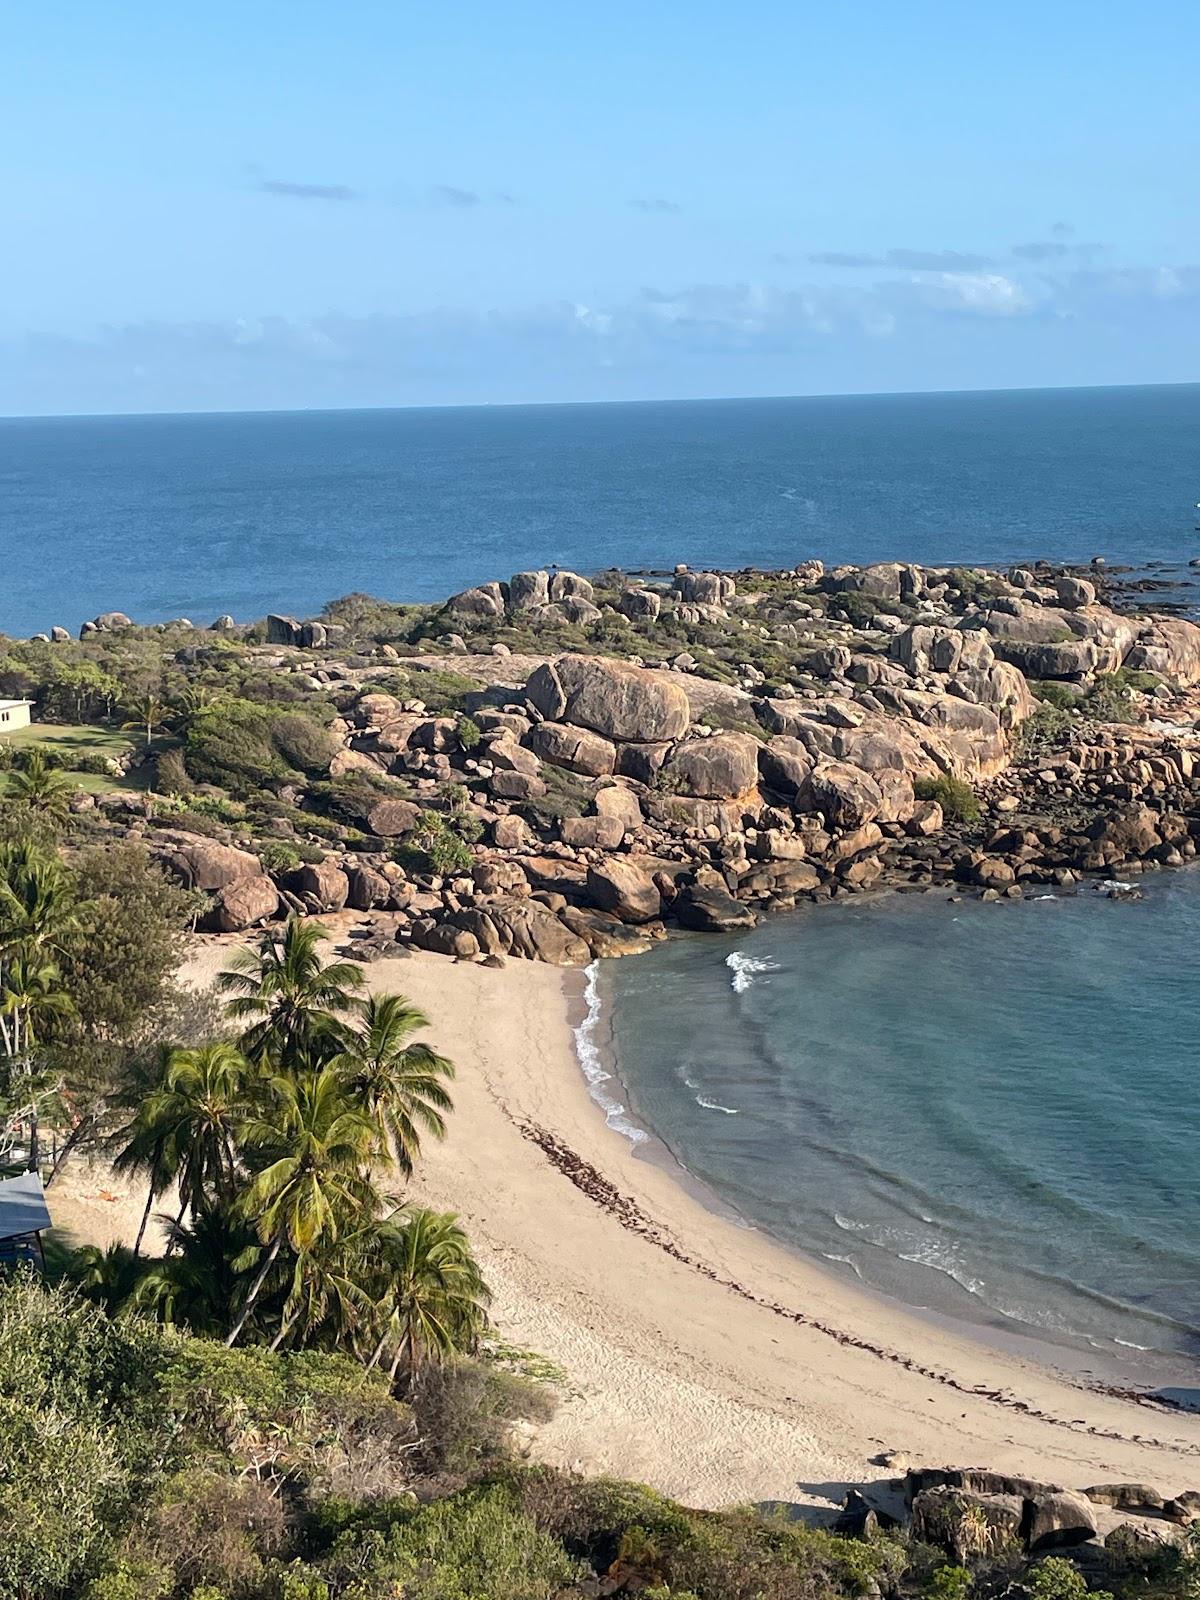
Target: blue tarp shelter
[24,1216]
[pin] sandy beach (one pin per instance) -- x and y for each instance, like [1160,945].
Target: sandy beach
[701,1357]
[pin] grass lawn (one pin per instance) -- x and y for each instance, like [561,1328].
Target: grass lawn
[72,741]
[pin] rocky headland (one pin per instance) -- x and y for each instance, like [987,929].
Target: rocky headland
[616,756]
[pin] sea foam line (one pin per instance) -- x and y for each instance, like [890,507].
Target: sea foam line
[588,1052]
[746,968]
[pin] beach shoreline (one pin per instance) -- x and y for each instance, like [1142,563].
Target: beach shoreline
[700,1355]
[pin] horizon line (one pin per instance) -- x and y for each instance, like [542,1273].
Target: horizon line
[548,405]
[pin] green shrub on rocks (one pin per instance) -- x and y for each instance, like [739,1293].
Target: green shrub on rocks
[1058,695]
[956,798]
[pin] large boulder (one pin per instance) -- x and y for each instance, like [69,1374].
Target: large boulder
[709,909]
[848,796]
[206,865]
[620,803]
[967,1524]
[1074,592]
[367,888]
[704,588]
[486,600]
[923,649]
[640,604]
[527,589]
[713,769]
[591,833]
[391,819]
[570,586]
[1001,687]
[785,765]
[1060,1520]
[882,581]
[1130,833]
[1170,647]
[1070,659]
[619,702]
[530,929]
[564,745]
[282,630]
[619,885]
[323,885]
[242,905]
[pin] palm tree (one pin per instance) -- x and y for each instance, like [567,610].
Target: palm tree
[29,993]
[107,1277]
[326,1301]
[432,1300]
[199,1282]
[37,902]
[312,1153]
[288,997]
[41,788]
[147,1149]
[190,1126]
[399,1083]
[146,712]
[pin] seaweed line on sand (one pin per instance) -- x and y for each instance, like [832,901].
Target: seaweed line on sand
[626,1211]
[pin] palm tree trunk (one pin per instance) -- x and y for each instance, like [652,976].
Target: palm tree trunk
[137,1243]
[284,1329]
[175,1231]
[255,1288]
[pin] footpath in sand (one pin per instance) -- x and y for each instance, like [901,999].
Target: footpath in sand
[700,1357]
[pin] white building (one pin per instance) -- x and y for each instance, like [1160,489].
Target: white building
[14,714]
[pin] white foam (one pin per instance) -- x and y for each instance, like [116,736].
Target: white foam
[594,1071]
[715,1105]
[746,968]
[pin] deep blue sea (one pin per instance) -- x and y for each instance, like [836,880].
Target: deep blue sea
[989,1111]
[992,1111]
[197,515]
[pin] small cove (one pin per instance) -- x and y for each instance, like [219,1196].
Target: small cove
[990,1113]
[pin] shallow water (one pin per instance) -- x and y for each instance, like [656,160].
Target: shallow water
[195,516]
[989,1111]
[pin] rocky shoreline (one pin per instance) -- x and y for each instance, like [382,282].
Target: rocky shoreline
[821,734]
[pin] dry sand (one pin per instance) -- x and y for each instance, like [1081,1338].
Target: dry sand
[677,1328]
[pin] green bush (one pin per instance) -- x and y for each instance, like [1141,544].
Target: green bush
[476,1545]
[956,798]
[1058,695]
[950,1583]
[447,853]
[303,743]
[230,744]
[62,1480]
[1056,1579]
[469,733]
[463,1414]
[1048,727]
[279,855]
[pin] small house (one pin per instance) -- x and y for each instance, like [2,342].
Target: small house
[14,714]
[24,1217]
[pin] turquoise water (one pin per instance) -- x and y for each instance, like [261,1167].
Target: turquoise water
[194,516]
[989,1111]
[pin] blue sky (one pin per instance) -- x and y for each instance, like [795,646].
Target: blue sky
[309,204]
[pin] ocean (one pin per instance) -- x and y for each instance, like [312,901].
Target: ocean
[993,1112]
[988,1111]
[194,516]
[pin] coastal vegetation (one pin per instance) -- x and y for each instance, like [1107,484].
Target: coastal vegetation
[143,1462]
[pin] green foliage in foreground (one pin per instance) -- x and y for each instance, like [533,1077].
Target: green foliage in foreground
[143,1463]
[956,798]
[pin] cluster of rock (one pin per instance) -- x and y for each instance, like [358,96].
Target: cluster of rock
[610,797]
[971,1514]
